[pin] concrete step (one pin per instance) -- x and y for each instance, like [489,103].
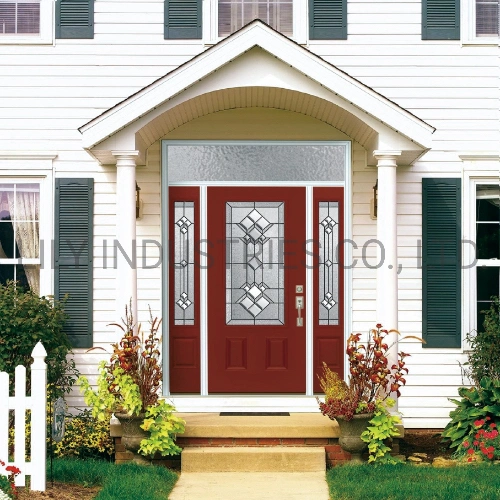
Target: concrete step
[254,459]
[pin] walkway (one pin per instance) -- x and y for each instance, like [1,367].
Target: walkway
[250,486]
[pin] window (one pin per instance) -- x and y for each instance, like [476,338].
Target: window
[487,18]
[487,247]
[26,21]
[20,234]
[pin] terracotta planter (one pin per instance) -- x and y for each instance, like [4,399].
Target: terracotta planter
[132,434]
[350,432]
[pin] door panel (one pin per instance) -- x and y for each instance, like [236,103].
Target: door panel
[256,259]
[184,290]
[328,297]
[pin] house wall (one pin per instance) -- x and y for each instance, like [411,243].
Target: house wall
[48,91]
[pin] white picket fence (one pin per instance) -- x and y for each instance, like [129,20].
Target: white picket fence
[20,402]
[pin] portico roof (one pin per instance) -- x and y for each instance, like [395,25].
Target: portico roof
[257,66]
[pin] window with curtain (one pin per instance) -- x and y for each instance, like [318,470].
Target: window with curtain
[20,17]
[487,247]
[487,18]
[20,234]
[234,14]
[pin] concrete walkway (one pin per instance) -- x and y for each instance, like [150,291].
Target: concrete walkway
[250,486]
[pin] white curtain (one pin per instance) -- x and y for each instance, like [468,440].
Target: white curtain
[24,207]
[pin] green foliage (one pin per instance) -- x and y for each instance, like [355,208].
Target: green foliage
[5,488]
[117,481]
[407,482]
[163,427]
[125,396]
[382,429]
[84,437]
[477,403]
[484,357]
[25,319]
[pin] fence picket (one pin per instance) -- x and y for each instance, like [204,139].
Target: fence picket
[37,402]
[19,405]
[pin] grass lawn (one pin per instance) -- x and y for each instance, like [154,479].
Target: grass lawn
[117,481]
[408,482]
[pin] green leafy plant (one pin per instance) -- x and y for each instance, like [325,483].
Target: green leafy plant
[371,378]
[85,437]
[381,430]
[163,426]
[25,319]
[484,355]
[130,384]
[476,403]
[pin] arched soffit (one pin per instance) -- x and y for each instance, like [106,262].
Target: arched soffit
[255,97]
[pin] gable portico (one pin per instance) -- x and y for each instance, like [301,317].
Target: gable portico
[258,69]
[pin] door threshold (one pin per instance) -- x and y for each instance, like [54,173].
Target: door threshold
[229,403]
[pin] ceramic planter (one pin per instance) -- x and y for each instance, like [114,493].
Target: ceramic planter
[350,432]
[132,434]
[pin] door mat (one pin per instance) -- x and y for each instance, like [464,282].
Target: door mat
[254,414]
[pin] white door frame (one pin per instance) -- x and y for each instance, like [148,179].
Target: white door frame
[206,402]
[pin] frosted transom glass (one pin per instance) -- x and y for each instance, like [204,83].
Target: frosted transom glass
[328,264]
[256,162]
[184,262]
[254,263]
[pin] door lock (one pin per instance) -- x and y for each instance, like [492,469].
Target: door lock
[299,305]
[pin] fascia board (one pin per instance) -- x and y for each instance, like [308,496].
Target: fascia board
[283,49]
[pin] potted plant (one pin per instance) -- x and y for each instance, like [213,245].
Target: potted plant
[371,382]
[128,386]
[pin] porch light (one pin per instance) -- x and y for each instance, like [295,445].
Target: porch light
[137,201]
[374,201]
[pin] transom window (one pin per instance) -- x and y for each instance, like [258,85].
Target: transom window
[487,247]
[20,234]
[234,14]
[487,18]
[20,17]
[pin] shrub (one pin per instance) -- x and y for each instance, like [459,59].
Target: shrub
[7,486]
[484,356]
[25,319]
[85,437]
[478,404]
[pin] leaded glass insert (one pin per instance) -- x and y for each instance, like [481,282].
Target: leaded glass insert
[254,263]
[328,264]
[184,262]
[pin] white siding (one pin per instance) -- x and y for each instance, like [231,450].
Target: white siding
[50,91]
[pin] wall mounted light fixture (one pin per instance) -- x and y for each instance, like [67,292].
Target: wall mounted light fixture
[374,202]
[137,201]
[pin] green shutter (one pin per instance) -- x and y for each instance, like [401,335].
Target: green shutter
[328,19]
[75,19]
[183,19]
[441,262]
[440,19]
[73,255]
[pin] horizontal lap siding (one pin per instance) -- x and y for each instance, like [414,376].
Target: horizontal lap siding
[48,92]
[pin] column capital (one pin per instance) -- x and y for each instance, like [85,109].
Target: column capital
[129,155]
[386,158]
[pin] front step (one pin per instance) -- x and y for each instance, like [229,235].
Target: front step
[254,459]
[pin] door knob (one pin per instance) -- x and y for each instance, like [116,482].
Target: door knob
[299,305]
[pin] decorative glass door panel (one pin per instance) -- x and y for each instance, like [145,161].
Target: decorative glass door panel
[328,296]
[256,249]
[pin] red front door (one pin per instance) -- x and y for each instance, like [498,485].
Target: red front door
[256,262]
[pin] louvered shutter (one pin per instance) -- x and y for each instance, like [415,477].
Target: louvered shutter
[441,262]
[328,19]
[75,19]
[73,255]
[183,19]
[440,19]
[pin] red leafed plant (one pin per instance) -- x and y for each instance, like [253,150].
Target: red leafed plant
[138,355]
[371,379]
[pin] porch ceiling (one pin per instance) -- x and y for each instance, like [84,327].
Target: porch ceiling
[257,67]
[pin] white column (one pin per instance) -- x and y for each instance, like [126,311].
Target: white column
[126,272]
[387,235]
